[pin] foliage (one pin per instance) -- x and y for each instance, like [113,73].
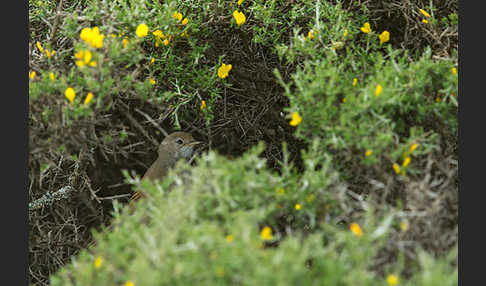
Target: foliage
[357,176]
[203,225]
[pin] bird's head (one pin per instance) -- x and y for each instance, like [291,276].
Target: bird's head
[179,145]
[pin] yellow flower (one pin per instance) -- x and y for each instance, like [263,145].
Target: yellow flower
[424,13]
[98,41]
[406,161]
[93,37]
[39,46]
[142,30]
[345,32]
[185,21]
[396,168]
[203,105]
[85,34]
[98,262]
[266,233]
[310,198]
[368,153]
[296,119]
[50,53]
[129,283]
[229,238]
[384,37]
[345,99]
[239,17]
[310,35]
[355,81]
[70,94]
[378,90]
[32,75]
[425,21]
[454,71]
[239,2]
[87,56]
[152,81]
[84,57]
[177,15]
[158,33]
[166,42]
[113,35]
[152,60]
[356,229]
[392,279]
[280,191]
[366,28]
[298,207]
[413,147]
[89,97]
[52,76]
[125,42]
[404,226]
[223,70]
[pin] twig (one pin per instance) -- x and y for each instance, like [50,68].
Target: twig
[50,198]
[151,120]
[138,126]
[115,197]
[56,23]
[93,193]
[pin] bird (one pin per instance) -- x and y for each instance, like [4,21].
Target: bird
[176,146]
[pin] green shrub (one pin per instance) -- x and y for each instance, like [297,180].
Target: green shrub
[361,99]
[207,230]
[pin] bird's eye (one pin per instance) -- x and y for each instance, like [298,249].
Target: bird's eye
[179,141]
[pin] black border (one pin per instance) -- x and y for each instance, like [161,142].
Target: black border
[471,143]
[14,118]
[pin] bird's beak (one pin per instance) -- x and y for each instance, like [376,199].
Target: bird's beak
[194,143]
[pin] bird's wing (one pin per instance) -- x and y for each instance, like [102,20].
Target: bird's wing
[153,173]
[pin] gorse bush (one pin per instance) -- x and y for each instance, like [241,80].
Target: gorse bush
[164,64]
[360,151]
[210,229]
[383,112]
[129,62]
[362,96]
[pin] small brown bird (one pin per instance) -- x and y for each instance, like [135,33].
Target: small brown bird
[178,145]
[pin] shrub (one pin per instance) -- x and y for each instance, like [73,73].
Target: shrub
[358,116]
[205,225]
